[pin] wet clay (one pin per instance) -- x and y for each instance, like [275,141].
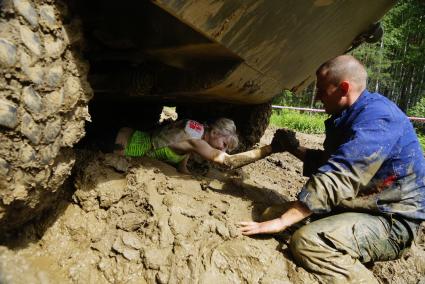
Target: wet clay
[140,221]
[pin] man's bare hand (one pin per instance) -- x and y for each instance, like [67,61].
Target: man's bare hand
[296,212]
[284,140]
[268,227]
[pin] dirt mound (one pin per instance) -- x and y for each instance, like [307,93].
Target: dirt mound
[154,224]
[139,221]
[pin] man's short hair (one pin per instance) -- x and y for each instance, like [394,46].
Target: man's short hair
[344,67]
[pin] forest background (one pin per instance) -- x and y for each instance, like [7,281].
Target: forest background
[395,64]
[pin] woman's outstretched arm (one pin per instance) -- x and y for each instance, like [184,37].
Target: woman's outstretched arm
[209,153]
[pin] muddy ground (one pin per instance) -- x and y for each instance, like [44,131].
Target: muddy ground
[140,221]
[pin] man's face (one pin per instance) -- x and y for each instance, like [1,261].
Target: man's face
[329,94]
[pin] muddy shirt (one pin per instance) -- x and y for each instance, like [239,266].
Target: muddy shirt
[177,132]
[372,161]
[156,145]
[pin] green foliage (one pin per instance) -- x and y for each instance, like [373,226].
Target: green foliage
[287,98]
[418,109]
[377,65]
[303,99]
[396,65]
[301,122]
[421,138]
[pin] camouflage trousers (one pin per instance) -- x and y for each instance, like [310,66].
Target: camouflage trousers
[334,248]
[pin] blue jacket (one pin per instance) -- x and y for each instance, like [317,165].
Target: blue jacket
[372,161]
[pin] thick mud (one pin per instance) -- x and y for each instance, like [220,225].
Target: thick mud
[140,221]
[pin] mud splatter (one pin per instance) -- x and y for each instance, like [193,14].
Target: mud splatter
[140,221]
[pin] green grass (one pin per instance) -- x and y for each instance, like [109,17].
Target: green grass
[312,123]
[421,137]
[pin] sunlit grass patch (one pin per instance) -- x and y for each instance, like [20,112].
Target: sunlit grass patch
[312,123]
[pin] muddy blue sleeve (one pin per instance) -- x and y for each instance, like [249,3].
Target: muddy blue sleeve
[373,134]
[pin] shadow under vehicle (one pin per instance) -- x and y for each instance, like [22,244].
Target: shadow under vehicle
[128,58]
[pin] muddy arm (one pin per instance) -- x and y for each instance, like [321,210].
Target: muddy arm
[220,157]
[242,159]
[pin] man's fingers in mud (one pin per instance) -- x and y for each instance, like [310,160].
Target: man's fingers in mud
[249,228]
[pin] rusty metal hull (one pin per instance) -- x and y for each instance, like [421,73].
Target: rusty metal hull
[280,43]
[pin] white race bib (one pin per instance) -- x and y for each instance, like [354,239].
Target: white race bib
[194,129]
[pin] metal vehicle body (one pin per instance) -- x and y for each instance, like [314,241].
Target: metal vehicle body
[129,58]
[244,51]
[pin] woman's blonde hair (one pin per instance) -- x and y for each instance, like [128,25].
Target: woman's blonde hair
[226,127]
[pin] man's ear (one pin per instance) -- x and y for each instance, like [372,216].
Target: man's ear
[345,87]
